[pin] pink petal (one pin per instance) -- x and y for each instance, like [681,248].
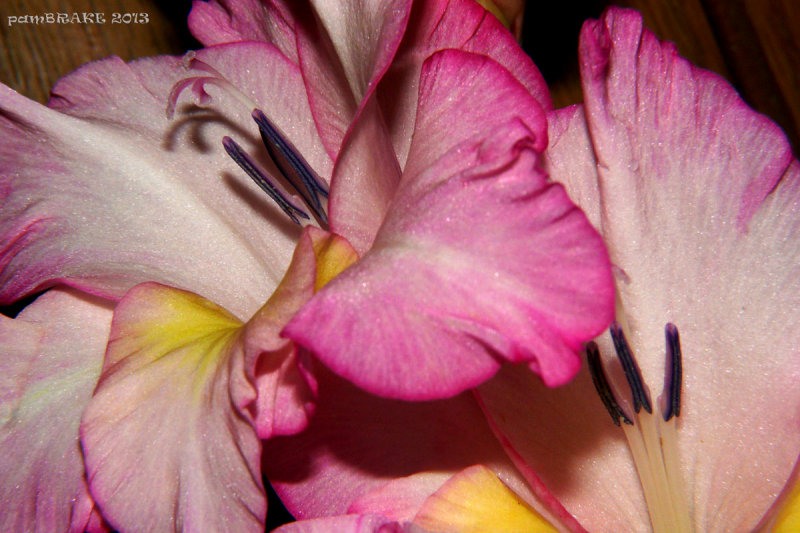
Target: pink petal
[344,50]
[438,25]
[364,179]
[106,192]
[166,447]
[541,269]
[377,143]
[698,199]
[281,372]
[52,354]
[400,499]
[344,524]
[577,455]
[365,35]
[570,159]
[225,21]
[712,249]
[357,446]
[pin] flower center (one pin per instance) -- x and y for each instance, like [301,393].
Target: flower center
[651,436]
[294,170]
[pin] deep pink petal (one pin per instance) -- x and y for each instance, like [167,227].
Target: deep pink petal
[106,192]
[438,25]
[344,524]
[471,212]
[377,144]
[279,370]
[166,447]
[349,458]
[52,355]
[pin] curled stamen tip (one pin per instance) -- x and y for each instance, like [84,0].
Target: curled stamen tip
[187,59]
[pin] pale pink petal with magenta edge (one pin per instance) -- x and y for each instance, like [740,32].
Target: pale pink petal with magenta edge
[365,35]
[117,194]
[700,198]
[542,270]
[52,355]
[165,445]
[699,204]
[364,180]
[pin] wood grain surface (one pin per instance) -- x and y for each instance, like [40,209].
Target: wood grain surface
[755,44]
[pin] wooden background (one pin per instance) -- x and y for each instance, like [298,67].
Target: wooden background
[755,44]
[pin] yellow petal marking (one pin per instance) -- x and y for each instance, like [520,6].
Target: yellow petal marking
[333,254]
[474,501]
[158,322]
[787,519]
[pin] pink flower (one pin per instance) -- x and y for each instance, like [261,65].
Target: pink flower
[697,198]
[413,138]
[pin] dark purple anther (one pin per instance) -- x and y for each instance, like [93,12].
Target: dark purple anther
[263,181]
[629,366]
[601,385]
[292,165]
[673,377]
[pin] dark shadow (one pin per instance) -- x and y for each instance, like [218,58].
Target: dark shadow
[177,11]
[550,34]
[15,308]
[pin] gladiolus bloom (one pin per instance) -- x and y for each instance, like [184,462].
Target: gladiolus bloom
[697,198]
[393,142]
